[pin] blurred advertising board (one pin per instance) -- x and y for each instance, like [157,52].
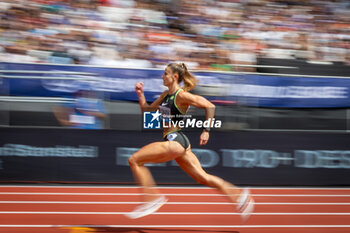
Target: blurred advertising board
[243,158]
[119,83]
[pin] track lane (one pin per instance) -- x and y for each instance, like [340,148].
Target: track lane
[135,198]
[220,220]
[174,208]
[200,189]
[147,229]
[156,219]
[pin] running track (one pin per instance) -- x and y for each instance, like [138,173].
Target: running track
[77,209]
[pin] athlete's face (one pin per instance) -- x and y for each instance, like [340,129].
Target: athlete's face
[169,77]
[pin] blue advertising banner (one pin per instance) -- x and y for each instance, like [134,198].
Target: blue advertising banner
[119,84]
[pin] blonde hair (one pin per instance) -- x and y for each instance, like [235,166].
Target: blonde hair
[184,75]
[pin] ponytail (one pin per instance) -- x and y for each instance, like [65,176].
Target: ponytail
[184,75]
[189,80]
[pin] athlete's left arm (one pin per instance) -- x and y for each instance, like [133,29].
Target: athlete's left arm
[186,99]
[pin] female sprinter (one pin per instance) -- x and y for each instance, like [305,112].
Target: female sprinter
[175,101]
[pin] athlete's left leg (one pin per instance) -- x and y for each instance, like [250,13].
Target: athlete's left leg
[191,165]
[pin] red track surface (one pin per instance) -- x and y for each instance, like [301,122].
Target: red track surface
[74,209]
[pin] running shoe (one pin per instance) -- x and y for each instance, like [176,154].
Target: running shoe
[147,208]
[245,205]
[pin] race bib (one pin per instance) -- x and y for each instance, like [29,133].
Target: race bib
[171,136]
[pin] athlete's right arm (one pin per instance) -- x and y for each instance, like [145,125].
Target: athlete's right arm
[144,106]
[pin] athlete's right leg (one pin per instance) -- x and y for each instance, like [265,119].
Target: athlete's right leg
[157,152]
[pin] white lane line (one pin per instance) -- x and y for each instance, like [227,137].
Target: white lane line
[171,203]
[167,187]
[177,226]
[163,213]
[171,194]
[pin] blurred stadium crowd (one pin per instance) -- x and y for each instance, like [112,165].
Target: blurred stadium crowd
[207,34]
